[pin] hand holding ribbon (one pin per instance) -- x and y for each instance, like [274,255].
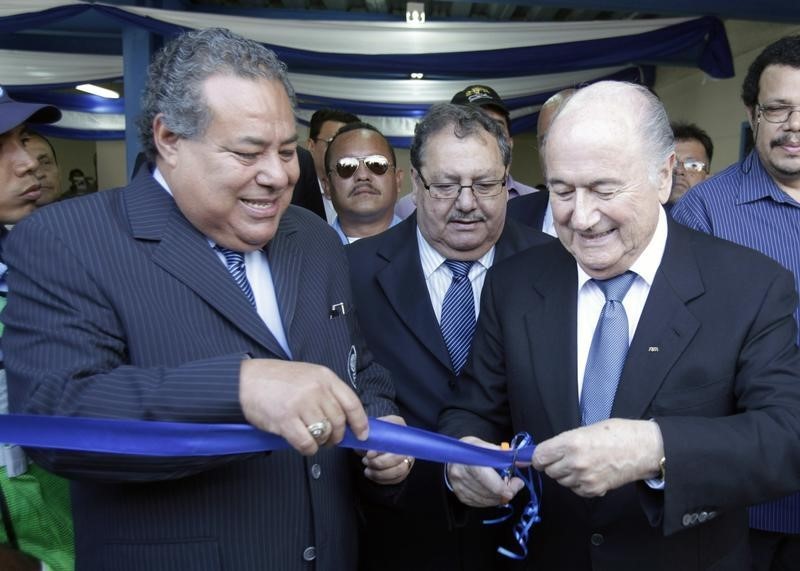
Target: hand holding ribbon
[480,486]
[386,467]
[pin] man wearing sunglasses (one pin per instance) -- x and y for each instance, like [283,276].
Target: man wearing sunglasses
[693,152]
[362,181]
[418,286]
[756,202]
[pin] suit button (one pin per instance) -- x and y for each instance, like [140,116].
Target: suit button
[597,539]
[309,553]
[316,471]
[686,520]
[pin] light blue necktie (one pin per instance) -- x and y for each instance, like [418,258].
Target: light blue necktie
[608,351]
[235,263]
[458,314]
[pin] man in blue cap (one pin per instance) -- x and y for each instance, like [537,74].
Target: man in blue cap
[36,530]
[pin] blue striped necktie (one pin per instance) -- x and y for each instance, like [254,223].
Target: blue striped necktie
[458,314]
[608,351]
[235,263]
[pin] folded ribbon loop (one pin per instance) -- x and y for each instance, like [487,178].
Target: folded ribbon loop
[522,443]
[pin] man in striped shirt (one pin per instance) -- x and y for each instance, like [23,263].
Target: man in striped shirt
[757,203]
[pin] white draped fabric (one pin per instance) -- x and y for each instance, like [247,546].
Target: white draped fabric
[379,37]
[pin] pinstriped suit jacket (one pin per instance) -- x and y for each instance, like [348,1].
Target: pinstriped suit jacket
[122,310]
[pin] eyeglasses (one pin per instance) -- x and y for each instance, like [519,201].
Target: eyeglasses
[690,165]
[777,113]
[346,167]
[451,190]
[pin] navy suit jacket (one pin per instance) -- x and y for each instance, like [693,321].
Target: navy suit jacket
[400,326]
[306,190]
[122,310]
[529,209]
[713,361]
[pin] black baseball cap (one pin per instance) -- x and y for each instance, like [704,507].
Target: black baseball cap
[480,96]
[13,113]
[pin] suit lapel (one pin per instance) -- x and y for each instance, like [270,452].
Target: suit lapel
[665,328]
[403,284]
[184,253]
[554,362]
[285,262]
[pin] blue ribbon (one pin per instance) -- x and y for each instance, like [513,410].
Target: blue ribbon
[173,439]
[154,438]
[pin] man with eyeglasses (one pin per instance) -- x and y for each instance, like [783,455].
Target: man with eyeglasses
[418,286]
[693,152]
[757,203]
[362,181]
[486,99]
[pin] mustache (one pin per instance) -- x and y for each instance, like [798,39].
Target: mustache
[362,186]
[466,217]
[790,139]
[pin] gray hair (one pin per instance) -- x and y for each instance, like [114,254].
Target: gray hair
[650,117]
[175,79]
[465,120]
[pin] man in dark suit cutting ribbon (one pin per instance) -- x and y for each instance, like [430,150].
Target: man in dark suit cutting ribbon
[198,294]
[656,367]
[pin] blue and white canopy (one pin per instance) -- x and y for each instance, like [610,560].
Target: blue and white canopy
[364,66]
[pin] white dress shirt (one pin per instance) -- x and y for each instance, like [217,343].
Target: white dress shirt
[330,211]
[591,299]
[438,276]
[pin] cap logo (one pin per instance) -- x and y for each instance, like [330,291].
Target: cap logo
[476,91]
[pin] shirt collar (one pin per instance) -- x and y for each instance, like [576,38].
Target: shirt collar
[646,265]
[757,184]
[432,260]
[161,180]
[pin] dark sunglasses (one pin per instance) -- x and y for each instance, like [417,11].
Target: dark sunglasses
[347,166]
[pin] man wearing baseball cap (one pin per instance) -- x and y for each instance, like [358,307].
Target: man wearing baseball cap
[487,99]
[36,526]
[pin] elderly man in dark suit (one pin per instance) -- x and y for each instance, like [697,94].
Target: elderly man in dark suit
[404,280]
[655,366]
[179,298]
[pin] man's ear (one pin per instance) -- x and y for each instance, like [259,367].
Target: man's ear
[751,117]
[665,178]
[416,185]
[326,187]
[398,178]
[165,140]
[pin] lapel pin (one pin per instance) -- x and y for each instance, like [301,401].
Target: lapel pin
[337,310]
[652,349]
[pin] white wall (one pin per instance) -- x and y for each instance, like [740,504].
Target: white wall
[111,169]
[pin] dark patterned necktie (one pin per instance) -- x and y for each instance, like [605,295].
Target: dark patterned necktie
[235,262]
[608,351]
[458,314]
